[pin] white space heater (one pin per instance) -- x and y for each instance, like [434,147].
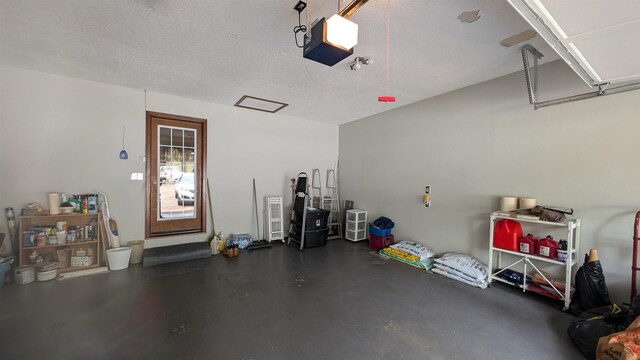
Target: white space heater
[273,218]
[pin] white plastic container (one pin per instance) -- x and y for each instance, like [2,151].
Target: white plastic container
[62,237]
[119,258]
[137,248]
[214,247]
[563,255]
[25,274]
[47,275]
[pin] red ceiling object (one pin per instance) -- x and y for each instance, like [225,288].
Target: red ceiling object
[387,98]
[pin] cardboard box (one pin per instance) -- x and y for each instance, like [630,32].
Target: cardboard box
[81,260]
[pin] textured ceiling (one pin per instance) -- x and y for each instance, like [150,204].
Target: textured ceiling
[219,50]
[602,35]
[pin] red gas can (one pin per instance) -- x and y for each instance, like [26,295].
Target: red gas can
[506,234]
[528,244]
[548,247]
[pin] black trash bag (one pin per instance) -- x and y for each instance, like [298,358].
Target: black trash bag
[384,223]
[635,306]
[591,325]
[591,289]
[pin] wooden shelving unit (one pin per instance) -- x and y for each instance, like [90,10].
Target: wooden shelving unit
[50,250]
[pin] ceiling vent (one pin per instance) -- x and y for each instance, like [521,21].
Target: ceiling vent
[260,104]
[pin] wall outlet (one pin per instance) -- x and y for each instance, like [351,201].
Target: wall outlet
[427,189]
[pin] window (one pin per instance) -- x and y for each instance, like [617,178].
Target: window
[176,173]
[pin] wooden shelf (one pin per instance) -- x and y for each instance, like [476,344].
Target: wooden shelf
[76,268]
[65,216]
[75,243]
[50,250]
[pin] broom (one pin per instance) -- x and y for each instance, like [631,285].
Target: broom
[111,226]
[260,243]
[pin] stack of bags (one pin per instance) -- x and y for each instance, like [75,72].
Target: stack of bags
[410,253]
[463,268]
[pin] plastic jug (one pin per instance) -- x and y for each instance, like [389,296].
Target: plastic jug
[548,247]
[506,233]
[528,244]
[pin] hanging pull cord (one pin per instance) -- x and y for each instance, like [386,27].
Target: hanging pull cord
[300,28]
[388,43]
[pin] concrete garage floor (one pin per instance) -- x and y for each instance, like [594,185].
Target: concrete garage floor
[336,302]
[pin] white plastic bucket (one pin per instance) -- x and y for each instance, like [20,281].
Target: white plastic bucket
[119,258]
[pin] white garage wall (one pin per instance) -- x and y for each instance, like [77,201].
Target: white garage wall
[482,142]
[64,134]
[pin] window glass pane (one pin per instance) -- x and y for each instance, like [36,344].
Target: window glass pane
[164,155]
[176,137]
[189,159]
[165,136]
[178,157]
[189,138]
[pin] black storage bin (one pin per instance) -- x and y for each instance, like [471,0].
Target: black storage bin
[317,219]
[315,238]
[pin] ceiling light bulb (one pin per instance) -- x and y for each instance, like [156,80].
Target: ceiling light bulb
[342,32]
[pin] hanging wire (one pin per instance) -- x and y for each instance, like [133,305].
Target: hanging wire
[308,12]
[388,43]
[300,28]
[124,131]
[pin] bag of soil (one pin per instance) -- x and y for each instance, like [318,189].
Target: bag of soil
[591,325]
[591,289]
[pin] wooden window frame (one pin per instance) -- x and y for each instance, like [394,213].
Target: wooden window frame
[159,228]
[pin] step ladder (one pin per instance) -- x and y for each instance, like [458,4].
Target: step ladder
[299,204]
[297,233]
[316,189]
[332,203]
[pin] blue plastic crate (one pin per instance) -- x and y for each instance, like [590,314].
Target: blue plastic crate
[374,230]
